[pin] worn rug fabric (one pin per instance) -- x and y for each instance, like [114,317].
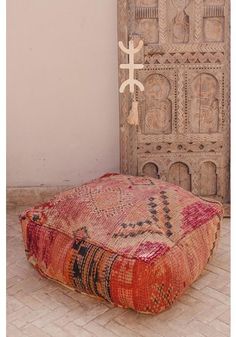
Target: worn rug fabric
[137,242]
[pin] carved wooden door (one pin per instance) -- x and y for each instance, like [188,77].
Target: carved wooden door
[183,131]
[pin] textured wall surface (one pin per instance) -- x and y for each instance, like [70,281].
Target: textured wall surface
[63,119]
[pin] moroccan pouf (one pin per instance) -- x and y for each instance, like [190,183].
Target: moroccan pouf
[137,242]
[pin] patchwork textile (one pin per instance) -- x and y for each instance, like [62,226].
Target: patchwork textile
[137,242]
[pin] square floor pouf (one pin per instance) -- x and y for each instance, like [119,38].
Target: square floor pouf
[136,242]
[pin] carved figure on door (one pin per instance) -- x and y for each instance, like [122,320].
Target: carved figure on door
[181,25]
[204,116]
[158,115]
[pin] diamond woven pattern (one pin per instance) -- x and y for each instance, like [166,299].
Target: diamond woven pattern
[137,242]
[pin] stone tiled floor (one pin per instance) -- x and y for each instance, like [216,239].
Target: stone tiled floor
[41,308]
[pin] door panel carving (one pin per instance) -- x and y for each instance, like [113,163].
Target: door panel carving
[179,175]
[208,179]
[204,114]
[184,112]
[151,170]
[158,117]
[181,22]
[214,22]
[146,14]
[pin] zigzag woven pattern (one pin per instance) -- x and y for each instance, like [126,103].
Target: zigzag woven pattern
[137,242]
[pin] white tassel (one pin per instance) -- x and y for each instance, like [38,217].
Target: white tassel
[133,115]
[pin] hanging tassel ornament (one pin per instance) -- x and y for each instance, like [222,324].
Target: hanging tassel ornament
[133,118]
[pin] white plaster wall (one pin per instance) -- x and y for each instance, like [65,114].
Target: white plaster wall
[62,94]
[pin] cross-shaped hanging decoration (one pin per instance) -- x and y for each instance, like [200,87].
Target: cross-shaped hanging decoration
[133,118]
[131,66]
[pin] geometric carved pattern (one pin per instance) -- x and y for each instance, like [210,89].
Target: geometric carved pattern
[162,21]
[181,147]
[213,11]
[146,13]
[198,20]
[183,131]
[185,58]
